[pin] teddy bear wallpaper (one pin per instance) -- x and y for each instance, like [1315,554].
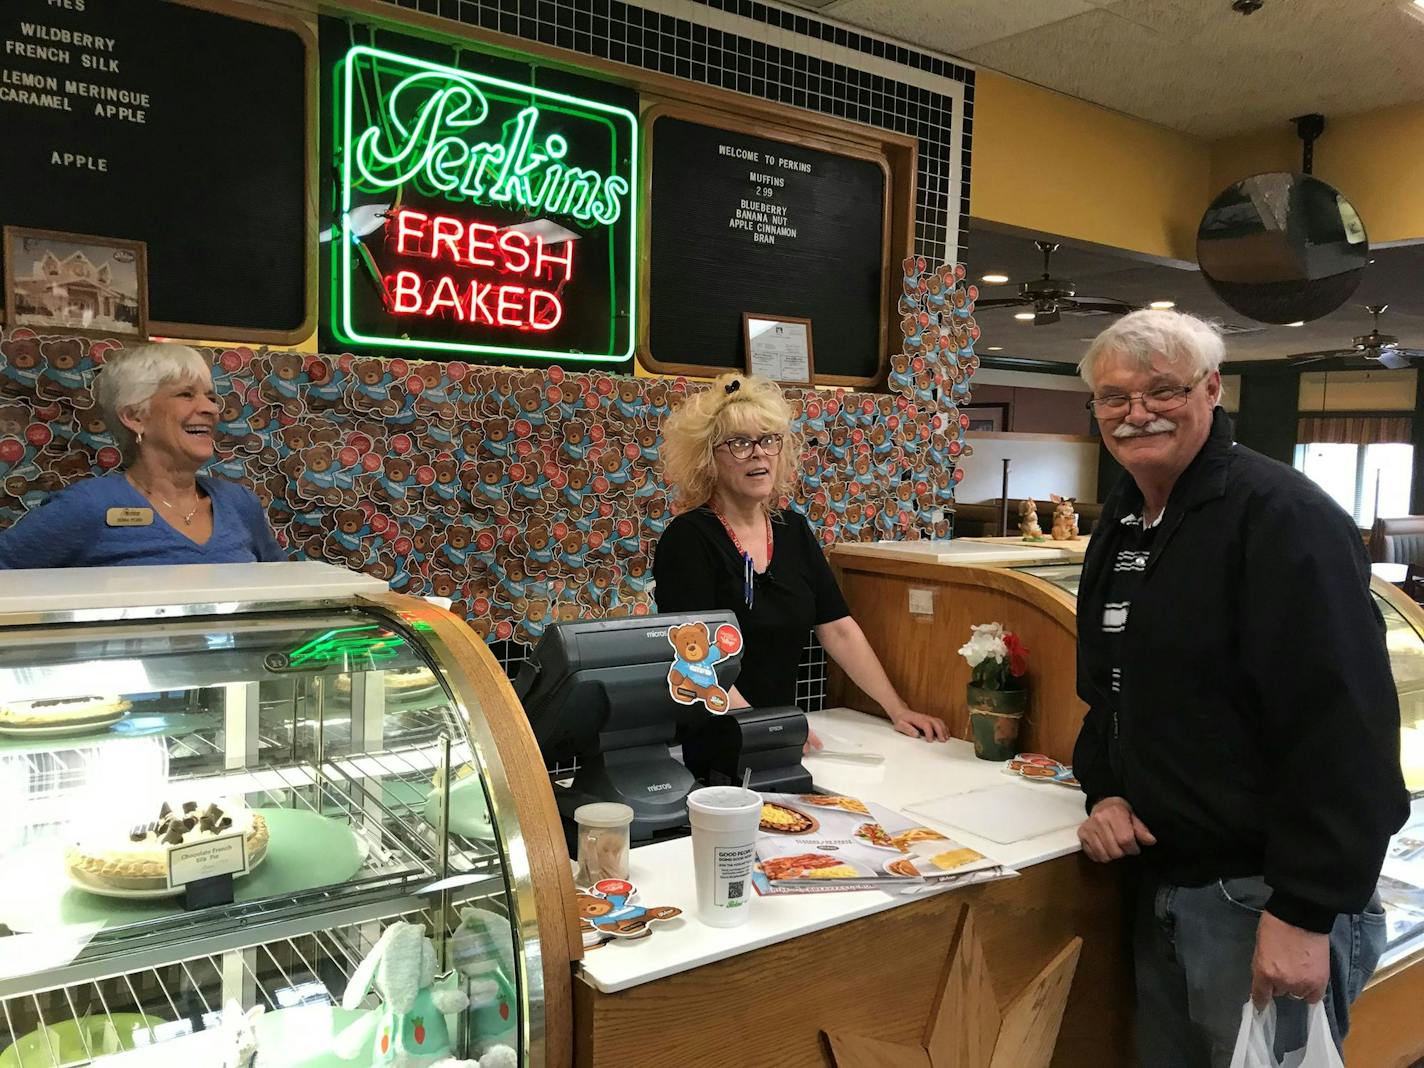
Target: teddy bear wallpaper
[524,496]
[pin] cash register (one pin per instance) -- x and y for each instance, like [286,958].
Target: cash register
[596,694]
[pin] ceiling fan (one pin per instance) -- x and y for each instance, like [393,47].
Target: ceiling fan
[1049,296]
[1383,349]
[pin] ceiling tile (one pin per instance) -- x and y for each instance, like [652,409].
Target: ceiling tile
[952,26]
[1194,65]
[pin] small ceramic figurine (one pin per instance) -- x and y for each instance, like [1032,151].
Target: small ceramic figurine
[410,1027]
[1065,518]
[1028,520]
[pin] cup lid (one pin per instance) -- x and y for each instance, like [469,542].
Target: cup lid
[603,814]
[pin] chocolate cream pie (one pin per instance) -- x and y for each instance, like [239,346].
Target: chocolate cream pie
[138,860]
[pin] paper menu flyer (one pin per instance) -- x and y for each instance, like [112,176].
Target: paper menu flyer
[823,839]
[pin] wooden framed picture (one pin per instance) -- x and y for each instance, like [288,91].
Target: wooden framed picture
[779,348]
[62,283]
[986,417]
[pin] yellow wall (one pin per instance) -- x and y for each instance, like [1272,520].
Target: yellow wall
[1375,158]
[1051,163]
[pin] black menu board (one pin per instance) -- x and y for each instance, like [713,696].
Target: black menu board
[185,128]
[744,222]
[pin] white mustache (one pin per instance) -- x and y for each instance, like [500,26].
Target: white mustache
[1157,426]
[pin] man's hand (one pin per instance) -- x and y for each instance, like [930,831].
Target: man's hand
[1289,962]
[1112,832]
[919,725]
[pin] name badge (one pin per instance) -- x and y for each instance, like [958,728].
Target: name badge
[129,517]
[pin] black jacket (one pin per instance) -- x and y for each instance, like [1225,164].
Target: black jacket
[1257,727]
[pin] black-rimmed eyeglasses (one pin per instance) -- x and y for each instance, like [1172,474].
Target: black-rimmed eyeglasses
[1157,401]
[741,448]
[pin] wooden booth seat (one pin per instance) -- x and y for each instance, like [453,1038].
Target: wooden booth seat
[1398,541]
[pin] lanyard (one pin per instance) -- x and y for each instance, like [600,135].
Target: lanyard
[748,565]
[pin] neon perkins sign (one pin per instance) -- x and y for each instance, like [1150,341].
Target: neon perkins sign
[479,216]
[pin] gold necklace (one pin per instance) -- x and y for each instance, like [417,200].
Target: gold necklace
[187,519]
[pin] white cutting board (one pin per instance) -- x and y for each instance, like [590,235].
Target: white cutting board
[1006,814]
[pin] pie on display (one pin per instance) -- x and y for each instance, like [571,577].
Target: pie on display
[65,715]
[135,862]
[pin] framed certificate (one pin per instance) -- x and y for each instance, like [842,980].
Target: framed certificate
[779,348]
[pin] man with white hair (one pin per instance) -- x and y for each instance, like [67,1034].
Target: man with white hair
[1242,733]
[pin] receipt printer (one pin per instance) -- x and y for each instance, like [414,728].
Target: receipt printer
[766,740]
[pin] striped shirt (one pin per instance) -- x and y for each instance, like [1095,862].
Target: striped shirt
[1124,580]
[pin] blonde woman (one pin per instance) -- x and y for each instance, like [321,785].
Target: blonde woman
[729,452]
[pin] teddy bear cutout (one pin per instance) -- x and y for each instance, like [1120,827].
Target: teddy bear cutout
[1028,520]
[693,677]
[606,911]
[1065,518]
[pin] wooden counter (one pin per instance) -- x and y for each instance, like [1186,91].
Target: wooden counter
[763,993]
[917,612]
[877,976]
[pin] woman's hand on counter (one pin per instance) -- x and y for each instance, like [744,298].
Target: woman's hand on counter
[919,725]
[1113,831]
[813,743]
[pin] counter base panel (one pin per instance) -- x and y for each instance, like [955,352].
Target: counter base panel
[878,976]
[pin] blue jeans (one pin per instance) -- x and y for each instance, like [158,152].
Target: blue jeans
[1193,949]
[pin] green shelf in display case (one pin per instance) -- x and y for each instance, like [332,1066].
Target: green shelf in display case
[305,851]
[133,725]
[71,1041]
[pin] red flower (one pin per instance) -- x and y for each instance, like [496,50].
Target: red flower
[1018,655]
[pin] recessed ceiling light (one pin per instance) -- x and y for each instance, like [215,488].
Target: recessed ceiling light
[1025,317]
[994,279]
[996,348]
[1298,322]
[1162,305]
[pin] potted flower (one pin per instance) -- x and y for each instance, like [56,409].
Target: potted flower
[997,693]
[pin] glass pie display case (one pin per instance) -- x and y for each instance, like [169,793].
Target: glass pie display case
[220,786]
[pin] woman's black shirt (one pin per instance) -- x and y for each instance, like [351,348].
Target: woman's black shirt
[697,568]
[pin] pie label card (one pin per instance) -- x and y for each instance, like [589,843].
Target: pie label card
[129,517]
[224,855]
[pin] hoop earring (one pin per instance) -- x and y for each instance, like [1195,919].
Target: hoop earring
[138,438]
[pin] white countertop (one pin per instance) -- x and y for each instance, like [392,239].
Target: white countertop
[963,551]
[81,588]
[912,771]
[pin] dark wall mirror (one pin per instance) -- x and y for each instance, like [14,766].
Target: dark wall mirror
[1282,247]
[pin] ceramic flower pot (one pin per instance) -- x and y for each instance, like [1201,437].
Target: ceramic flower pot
[994,719]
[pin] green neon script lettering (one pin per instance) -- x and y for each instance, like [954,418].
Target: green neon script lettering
[429,143]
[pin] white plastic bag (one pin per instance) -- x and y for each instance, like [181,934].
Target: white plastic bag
[1255,1042]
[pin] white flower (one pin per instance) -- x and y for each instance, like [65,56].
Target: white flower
[985,643]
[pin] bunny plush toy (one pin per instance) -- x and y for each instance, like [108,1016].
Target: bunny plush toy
[410,1025]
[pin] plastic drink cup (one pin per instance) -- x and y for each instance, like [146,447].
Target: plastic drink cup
[724,832]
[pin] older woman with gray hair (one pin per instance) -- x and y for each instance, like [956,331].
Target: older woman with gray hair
[159,404]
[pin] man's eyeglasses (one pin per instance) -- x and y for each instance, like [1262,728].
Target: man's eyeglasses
[1158,400]
[741,448]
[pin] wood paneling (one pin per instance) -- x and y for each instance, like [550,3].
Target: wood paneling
[1386,1028]
[878,976]
[918,651]
[481,678]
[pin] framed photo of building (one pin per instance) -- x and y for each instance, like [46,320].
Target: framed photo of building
[986,417]
[62,283]
[779,348]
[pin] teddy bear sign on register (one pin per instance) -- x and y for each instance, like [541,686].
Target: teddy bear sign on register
[693,674]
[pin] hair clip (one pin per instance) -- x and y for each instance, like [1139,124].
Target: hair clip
[732,386]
